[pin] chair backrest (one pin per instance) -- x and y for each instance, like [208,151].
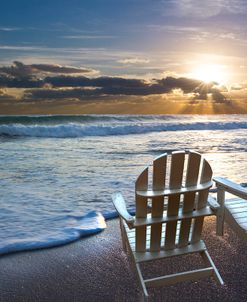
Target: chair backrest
[176,217]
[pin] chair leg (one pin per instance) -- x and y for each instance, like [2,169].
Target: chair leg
[139,273]
[208,261]
[123,235]
[145,298]
[220,213]
[138,269]
[220,223]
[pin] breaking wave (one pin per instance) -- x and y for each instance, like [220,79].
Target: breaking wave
[78,126]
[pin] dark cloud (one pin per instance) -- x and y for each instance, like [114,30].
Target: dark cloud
[20,70]
[81,81]
[60,86]
[99,86]
[118,85]
[85,87]
[17,69]
[20,82]
[185,84]
[75,93]
[53,68]
[219,97]
[203,91]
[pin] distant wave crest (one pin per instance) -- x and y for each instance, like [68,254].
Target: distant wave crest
[67,130]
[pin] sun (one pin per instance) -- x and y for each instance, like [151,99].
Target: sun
[210,73]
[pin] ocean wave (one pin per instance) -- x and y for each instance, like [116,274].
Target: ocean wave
[90,224]
[67,130]
[84,118]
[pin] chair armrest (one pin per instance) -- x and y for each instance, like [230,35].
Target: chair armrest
[230,187]
[214,205]
[120,206]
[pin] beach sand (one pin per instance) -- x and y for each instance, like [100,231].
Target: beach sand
[96,269]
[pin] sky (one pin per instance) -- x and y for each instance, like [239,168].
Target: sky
[123,56]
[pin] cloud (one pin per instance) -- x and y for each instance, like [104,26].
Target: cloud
[82,87]
[9,28]
[173,28]
[20,82]
[204,9]
[211,90]
[5,96]
[2,91]
[45,94]
[21,70]
[84,37]
[54,68]
[65,82]
[79,81]
[118,85]
[134,61]
[23,48]
[219,97]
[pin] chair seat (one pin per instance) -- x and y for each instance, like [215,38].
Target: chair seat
[236,216]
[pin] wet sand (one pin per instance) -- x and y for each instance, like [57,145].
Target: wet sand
[96,269]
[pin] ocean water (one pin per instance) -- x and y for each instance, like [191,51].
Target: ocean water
[57,173]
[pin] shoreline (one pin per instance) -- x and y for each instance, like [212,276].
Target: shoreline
[95,268]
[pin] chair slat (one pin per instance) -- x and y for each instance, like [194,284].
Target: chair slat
[176,175]
[193,166]
[184,232]
[157,211]
[197,229]
[239,206]
[171,228]
[202,199]
[237,210]
[177,167]
[159,172]
[141,210]
[194,160]
[206,175]
[239,215]
[236,201]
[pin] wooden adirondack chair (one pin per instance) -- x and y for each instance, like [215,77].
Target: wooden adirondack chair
[232,210]
[177,198]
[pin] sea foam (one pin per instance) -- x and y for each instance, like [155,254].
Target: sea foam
[67,130]
[74,228]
